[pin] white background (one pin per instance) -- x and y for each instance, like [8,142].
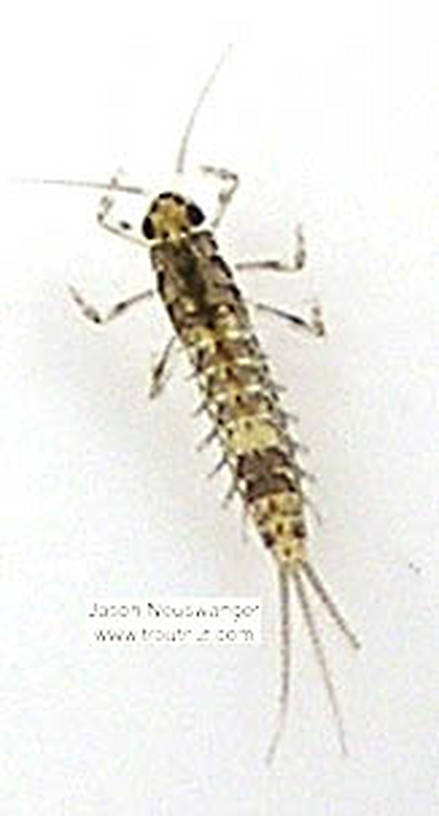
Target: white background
[329,111]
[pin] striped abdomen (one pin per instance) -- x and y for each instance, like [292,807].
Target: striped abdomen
[212,321]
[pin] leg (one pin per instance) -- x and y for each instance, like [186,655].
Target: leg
[92,314]
[314,325]
[106,219]
[299,259]
[158,380]
[226,193]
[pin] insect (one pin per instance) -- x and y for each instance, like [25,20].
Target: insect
[212,323]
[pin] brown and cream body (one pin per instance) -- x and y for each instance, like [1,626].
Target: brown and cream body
[213,324]
[212,321]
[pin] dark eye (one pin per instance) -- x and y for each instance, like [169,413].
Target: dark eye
[194,214]
[148,228]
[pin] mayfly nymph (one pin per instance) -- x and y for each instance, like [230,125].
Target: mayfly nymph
[211,321]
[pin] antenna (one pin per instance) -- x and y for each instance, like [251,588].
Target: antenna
[95,185]
[195,110]
[113,184]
